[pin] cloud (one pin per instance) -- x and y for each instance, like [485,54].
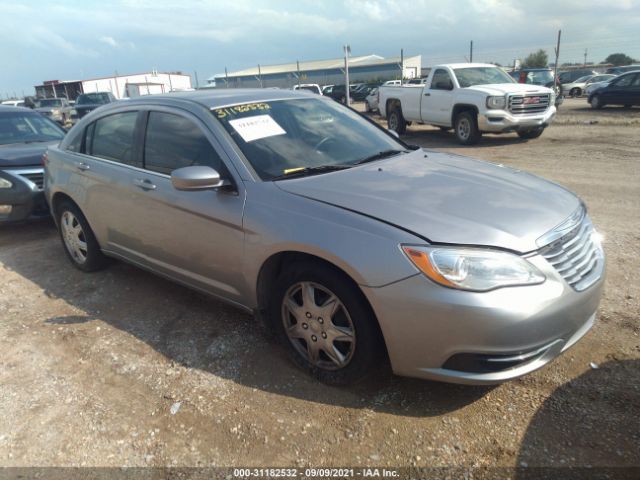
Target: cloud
[109,41]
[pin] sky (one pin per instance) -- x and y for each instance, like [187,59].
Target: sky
[69,40]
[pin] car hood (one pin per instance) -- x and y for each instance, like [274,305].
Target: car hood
[23,154]
[509,88]
[446,198]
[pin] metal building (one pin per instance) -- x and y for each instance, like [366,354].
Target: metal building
[366,68]
[121,86]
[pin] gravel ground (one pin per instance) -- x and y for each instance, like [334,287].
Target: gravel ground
[122,368]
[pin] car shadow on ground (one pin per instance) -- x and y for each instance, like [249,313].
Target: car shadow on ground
[591,421]
[436,138]
[196,331]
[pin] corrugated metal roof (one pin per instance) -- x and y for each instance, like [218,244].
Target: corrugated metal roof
[366,60]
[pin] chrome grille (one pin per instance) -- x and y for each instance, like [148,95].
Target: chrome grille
[577,256]
[532,103]
[36,178]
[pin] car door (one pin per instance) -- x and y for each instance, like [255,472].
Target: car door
[195,237]
[619,91]
[634,91]
[437,99]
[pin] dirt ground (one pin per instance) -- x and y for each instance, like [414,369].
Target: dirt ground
[91,365]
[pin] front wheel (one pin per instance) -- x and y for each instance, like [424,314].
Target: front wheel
[596,102]
[532,133]
[325,323]
[466,128]
[79,242]
[396,121]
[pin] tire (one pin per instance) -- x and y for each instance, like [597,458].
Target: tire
[466,128]
[396,122]
[596,102]
[78,240]
[530,134]
[367,107]
[361,348]
[575,92]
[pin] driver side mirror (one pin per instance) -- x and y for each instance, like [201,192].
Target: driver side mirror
[197,178]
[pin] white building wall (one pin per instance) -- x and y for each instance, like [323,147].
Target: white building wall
[412,67]
[145,84]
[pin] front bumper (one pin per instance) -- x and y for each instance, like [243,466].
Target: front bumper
[438,333]
[502,121]
[25,199]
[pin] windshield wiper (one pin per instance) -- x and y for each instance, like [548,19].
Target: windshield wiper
[380,156]
[306,171]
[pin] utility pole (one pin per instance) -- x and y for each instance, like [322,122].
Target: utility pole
[226,78]
[259,75]
[298,69]
[555,69]
[196,76]
[401,65]
[585,57]
[347,51]
[471,52]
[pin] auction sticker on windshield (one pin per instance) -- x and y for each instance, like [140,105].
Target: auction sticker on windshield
[256,127]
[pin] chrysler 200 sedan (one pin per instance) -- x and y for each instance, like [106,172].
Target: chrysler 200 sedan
[352,245]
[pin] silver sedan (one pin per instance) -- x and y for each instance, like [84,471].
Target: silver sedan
[351,245]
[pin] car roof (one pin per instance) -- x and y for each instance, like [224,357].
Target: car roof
[215,98]
[11,108]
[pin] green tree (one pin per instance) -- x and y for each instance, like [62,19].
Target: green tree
[618,59]
[537,59]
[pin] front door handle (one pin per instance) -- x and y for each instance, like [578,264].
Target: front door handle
[427,94]
[82,166]
[145,184]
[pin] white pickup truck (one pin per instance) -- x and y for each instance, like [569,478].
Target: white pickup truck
[471,98]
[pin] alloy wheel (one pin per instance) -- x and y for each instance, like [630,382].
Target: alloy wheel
[463,128]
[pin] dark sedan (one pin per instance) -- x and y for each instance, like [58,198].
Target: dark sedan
[90,101]
[623,90]
[24,138]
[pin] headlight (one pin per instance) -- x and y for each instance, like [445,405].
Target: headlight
[473,269]
[496,102]
[5,183]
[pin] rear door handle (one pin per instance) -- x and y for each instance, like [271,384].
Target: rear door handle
[145,184]
[427,94]
[82,166]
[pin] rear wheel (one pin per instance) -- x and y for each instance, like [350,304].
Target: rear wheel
[325,323]
[532,133]
[466,128]
[575,92]
[79,242]
[396,122]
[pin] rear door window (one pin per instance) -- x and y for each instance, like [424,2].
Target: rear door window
[173,141]
[113,138]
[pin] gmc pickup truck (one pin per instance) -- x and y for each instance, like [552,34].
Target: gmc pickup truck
[471,98]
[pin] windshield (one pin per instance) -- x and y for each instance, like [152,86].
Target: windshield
[18,127]
[309,88]
[87,98]
[539,77]
[286,135]
[467,77]
[50,102]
